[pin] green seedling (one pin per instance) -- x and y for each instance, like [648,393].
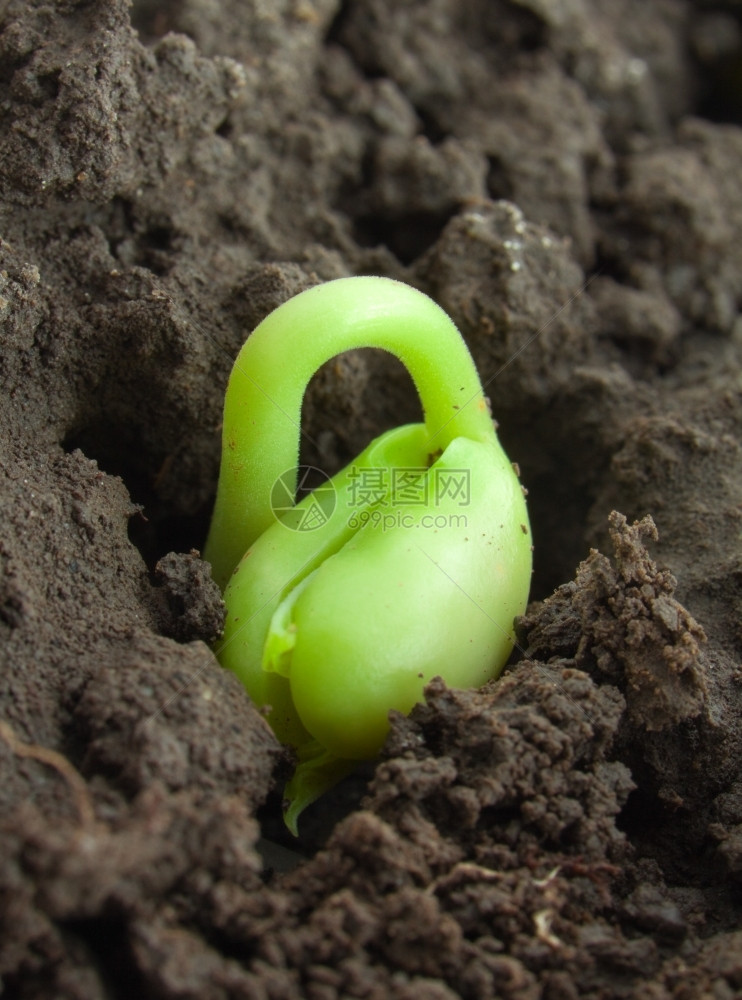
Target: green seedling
[422,576]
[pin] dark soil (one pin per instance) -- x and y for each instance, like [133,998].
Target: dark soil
[564,178]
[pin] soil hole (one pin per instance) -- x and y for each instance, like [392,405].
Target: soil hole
[152,19]
[407,236]
[107,943]
[156,530]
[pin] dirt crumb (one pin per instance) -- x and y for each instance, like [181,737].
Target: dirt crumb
[194,604]
[631,629]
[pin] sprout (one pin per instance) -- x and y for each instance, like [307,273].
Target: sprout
[420,576]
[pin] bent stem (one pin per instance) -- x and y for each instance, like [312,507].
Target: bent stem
[262,411]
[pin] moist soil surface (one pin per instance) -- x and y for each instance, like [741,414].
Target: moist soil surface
[564,179]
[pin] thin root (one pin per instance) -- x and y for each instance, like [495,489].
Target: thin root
[60,764]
